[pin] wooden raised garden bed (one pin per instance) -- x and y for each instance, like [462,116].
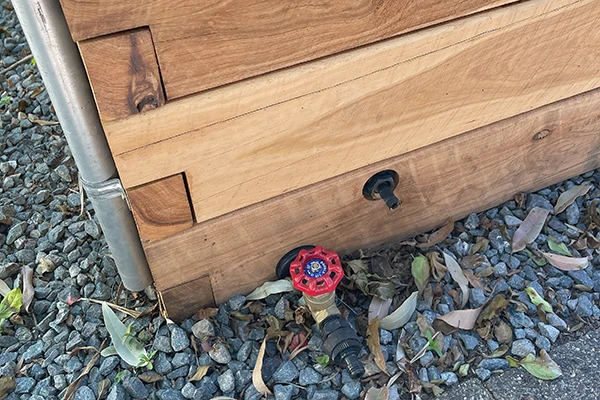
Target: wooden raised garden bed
[243,129]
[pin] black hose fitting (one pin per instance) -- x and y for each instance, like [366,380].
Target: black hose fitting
[341,342]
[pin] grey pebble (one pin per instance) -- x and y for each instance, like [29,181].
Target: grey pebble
[352,390]
[84,393]
[585,307]
[326,394]
[494,364]
[135,387]
[179,339]
[522,347]
[283,392]
[204,329]
[308,376]
[219,353]
[548,331]
[556,322]
[483,374]
[226,381]
[450,378]
[236,302]
[286,372]
[543,343]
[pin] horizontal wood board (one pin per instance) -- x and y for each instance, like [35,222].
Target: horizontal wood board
[202,45]
[256,140]
[450,179]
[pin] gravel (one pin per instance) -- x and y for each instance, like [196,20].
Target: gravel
[66,249]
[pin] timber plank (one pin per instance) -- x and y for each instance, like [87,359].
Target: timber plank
[123,72]
[161,208]
[449,179]
[205,44]
[259,139]
[182,301]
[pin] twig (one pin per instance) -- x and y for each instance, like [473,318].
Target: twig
[21,61]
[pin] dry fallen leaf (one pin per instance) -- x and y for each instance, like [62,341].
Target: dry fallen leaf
[401,315]
[566,263]
[420,271]
[379,308]
[72,388]
[4,289]
[45,265]
[205,313]
[103,387]
[530,228]
[438,269]
[438,236]
[503,332]
[374,344]
[42,122]
[7,383]
[257,379]
[28,292]
[150,377]
[201,371]
[457,319]
[458,276]
[567,198]
[269,288]
[378,394]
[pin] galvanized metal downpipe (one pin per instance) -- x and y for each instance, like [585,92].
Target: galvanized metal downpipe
[62,70]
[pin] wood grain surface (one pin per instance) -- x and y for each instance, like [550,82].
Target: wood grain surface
[205,44]
[450,179]
[124,74]
[161,208]
[183,301]
[256,140]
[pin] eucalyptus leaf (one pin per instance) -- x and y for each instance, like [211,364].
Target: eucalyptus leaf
[401,315]
[269,288]
[421,271]
[130,350]
[567,198]
[109,351]
[530,228]
[555,245]
[4,289]
[458,276]
[542,367]
[538,300]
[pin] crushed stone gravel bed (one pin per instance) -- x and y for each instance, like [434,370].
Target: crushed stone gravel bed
[44,225]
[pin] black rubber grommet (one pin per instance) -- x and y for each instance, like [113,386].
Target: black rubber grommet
[282,270]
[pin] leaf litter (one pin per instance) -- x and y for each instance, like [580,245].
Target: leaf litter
[530,228]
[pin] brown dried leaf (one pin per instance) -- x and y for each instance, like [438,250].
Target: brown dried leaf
[503,332]
[484,273]
[567,198]
[457,319]
[481,245]
[530,228]
[438,236]
[150,377]
[493,308]
[241,316]
[205,313]
[45,265]
[423,325]
[379,308]
[201,371]
[374,344]
[42,122]
[28,292]
[472,261]
[378,394]
[257,379]
[421,272]
[438,269]
[473,280]
[566,263]
[103,387]
[7,383]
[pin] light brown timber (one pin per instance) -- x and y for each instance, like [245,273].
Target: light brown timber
[161,208]
[182,301]
[124,74]
[205,44]
[255,140]
[449,179]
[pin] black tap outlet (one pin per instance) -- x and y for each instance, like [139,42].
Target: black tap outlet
[381,186]
[342,344]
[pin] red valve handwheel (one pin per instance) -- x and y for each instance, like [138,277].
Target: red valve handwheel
[316,271]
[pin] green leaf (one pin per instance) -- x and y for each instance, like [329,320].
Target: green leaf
[542,367]
[540,261]
[421,272]
[323,360]
[119,376]
[557,246]
[131,351]
[11,304]
[538,300]
[436,344]
[109,351]
[5,100]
